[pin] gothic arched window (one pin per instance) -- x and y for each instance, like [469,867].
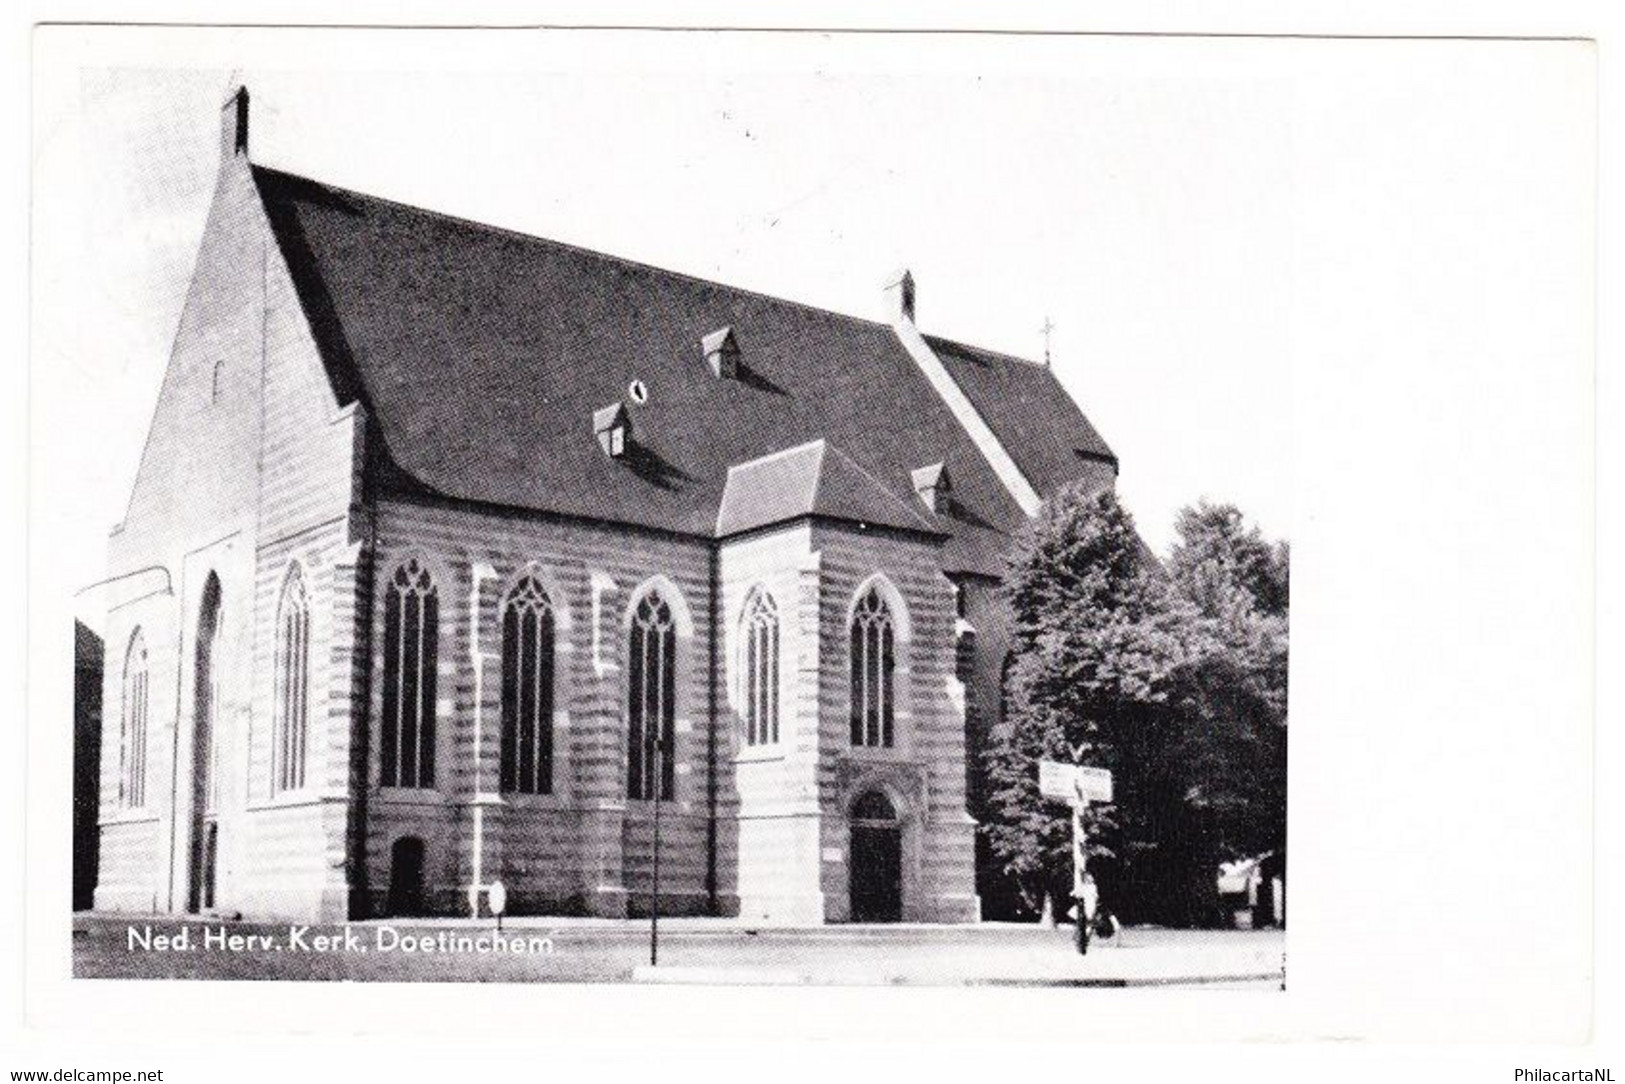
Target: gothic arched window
[651,699]
[291,735]
[411,630]
[132,743]
[527,690]
[873,701]
[760,628]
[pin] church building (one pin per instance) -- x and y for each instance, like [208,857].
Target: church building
[459,556]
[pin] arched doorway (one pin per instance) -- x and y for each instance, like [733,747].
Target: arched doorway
[205,822]
[406,876]
[875,868]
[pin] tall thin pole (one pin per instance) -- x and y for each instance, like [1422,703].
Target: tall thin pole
[1080,859]
[1080,848]
[654,910]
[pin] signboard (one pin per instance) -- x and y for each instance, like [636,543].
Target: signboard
[497,897]
[1069,782]
[1094,784]
[1055,780]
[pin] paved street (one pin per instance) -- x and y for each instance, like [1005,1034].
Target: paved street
[691,950]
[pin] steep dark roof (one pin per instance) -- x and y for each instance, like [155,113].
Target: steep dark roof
[482,355]
[1027,409]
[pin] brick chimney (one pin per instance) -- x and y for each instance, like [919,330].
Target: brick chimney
[900,298]
[234,125]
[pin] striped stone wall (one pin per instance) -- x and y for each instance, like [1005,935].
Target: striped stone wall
[250,465]
[586,846]
[923,773]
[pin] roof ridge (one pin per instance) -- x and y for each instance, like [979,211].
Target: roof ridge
[610,257]
[933,338]
[780,454]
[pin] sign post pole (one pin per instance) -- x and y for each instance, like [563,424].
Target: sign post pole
[654,909]
[1080,860]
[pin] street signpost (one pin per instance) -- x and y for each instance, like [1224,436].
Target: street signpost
[1076,785]
[1069,782]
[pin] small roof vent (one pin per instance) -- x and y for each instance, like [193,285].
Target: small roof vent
[721,351]
[612,425]
[933,486]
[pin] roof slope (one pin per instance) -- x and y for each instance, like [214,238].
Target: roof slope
[482,355]
[814,479]
[1027,409]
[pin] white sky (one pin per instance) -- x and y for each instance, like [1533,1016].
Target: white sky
[1148,216]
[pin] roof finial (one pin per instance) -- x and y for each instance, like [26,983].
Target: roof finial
[234,124]
[900,297]
[1049,326]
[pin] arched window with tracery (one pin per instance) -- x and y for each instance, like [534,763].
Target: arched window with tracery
[411,632]
[651,699]
[873,661]
[760,629]
[527,690]
[291,734]
[132,745]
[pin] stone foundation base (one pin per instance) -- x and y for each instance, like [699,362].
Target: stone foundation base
[957,908]
[607,901]
[126,899]
[801,909]
[686,905]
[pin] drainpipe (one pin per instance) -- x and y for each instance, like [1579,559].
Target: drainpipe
[481,573]
[361,718]
[175,741]
[711,739]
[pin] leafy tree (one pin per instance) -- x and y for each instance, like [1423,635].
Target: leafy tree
[1217,554]
[1095,636]
[1236,689]
[1174,678]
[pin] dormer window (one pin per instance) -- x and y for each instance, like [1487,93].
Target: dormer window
[721,351]
[932,484]
[613,427]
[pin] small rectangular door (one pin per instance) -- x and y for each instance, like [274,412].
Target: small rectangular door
[877,874]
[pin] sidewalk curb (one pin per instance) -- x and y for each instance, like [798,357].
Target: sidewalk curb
[1124,983]
[743,976]
[717,976]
